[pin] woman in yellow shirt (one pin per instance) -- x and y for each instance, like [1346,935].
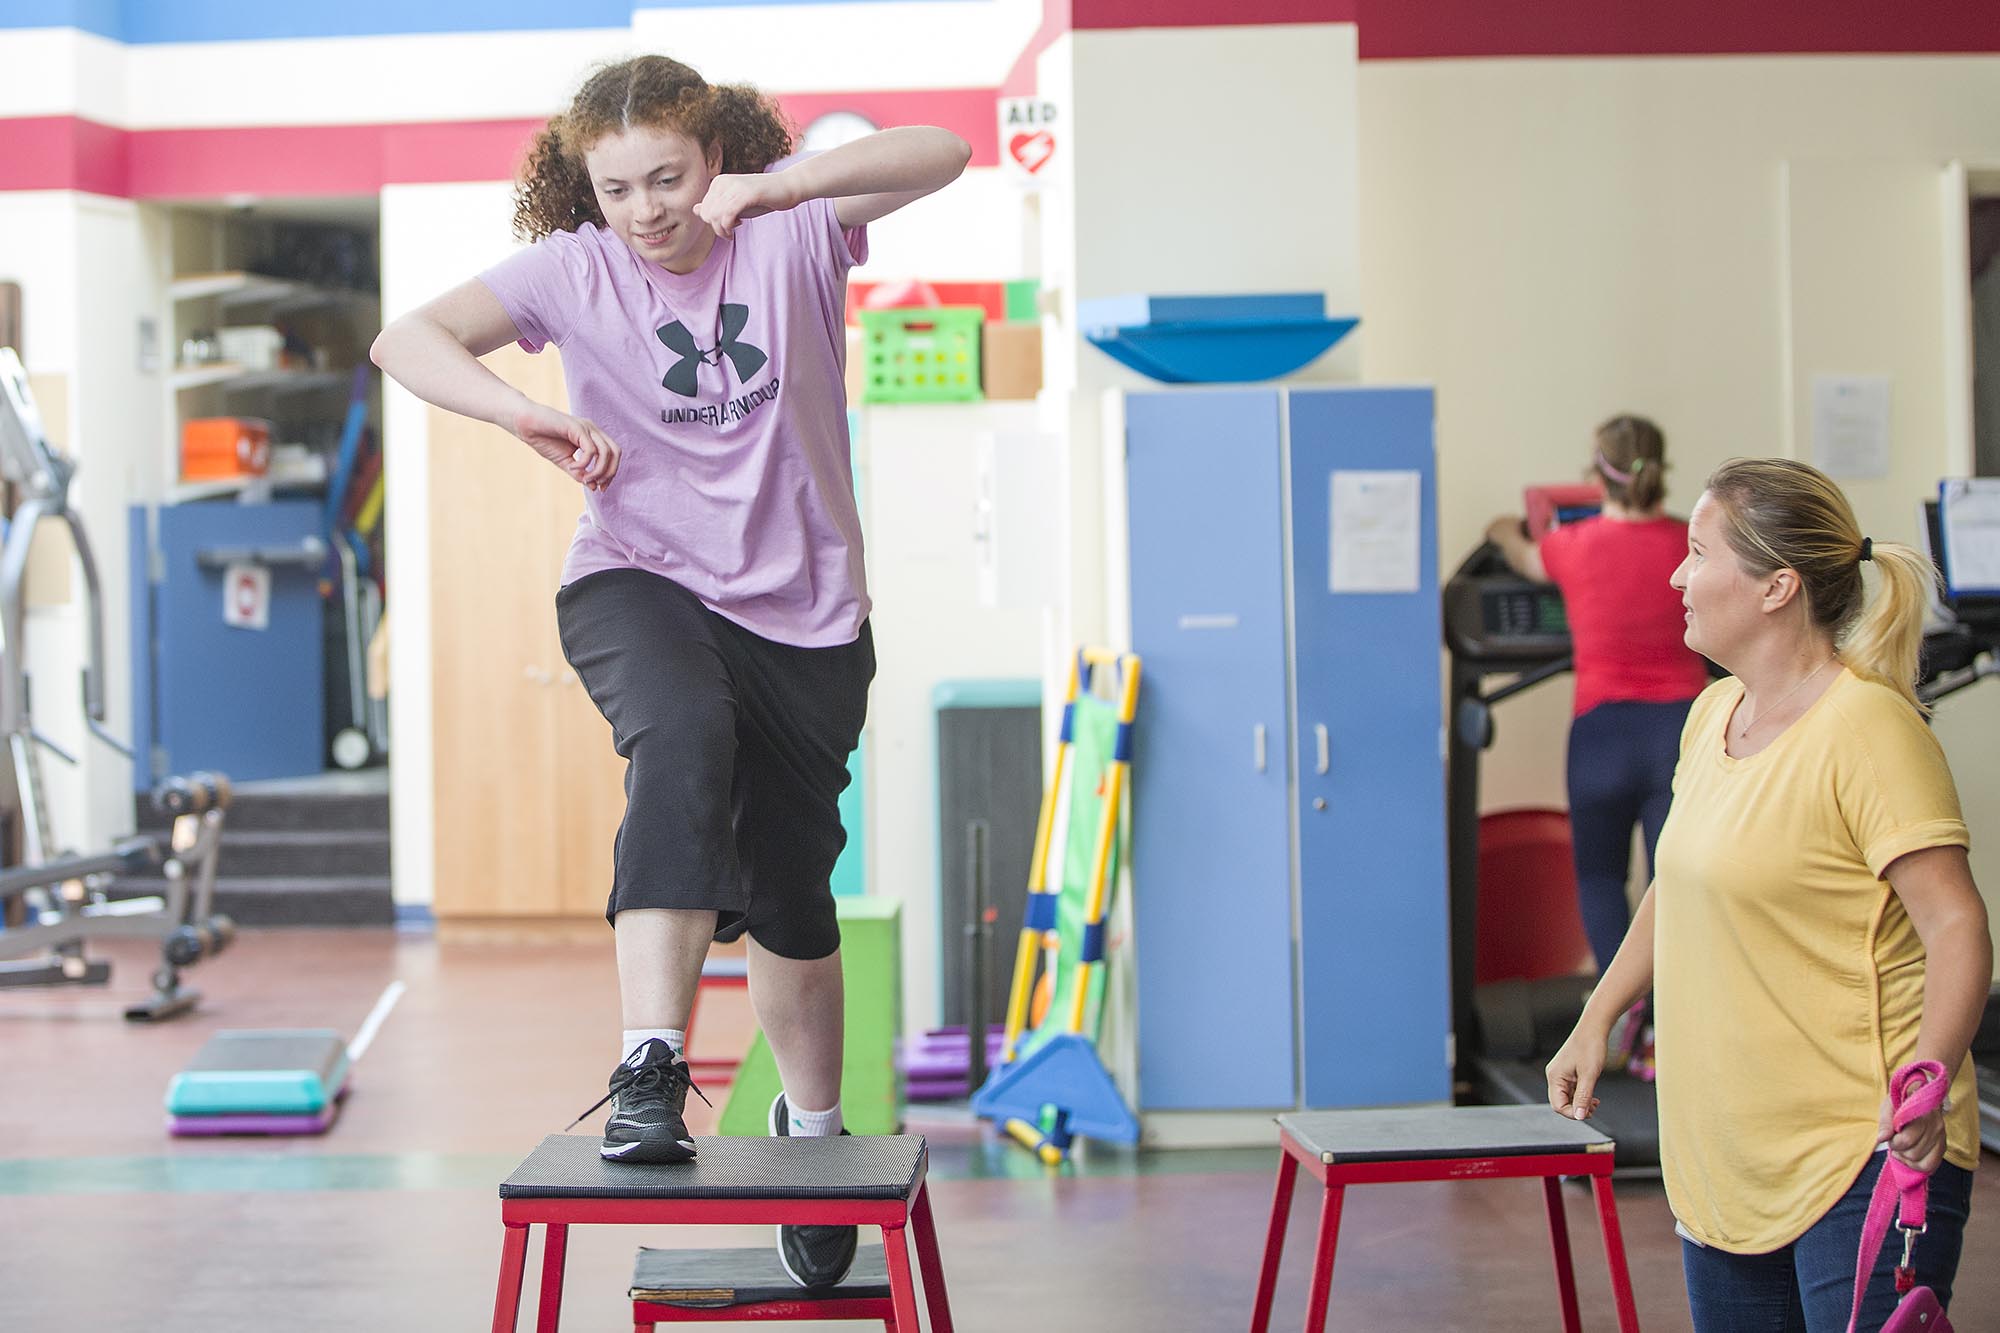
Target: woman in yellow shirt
[1812,924]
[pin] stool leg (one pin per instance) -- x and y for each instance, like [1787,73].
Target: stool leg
[513,1262]
[902,1289]
[1274,1242]
[1552,1194]
[1614,1254]
[937,1301]
[1322,1280]
[555,1244]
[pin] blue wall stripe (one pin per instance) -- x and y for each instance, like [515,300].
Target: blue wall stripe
[98,16]
[143,22]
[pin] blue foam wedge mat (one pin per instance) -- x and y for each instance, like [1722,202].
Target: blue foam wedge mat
[1213,339]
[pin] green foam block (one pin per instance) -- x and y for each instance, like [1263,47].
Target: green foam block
[871,1087]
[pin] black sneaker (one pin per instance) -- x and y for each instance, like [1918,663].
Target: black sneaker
[813,1256]
[648,1092]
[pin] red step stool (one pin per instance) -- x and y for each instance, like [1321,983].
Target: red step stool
[1342,1148]
[723,971]
[859,1181]
[703,1286]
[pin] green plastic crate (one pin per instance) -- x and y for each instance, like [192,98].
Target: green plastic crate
[927,354]
[1023,301]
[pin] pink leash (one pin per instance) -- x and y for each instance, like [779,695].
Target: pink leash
[1901,1192]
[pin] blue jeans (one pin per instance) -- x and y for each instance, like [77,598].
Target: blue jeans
[1808,1286]
[1621,773]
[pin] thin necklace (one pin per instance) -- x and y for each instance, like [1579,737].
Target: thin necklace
[1766,712]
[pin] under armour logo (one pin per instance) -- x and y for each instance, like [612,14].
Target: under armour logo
[684,378]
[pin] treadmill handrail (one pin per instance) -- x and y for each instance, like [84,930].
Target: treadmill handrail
[1527,680]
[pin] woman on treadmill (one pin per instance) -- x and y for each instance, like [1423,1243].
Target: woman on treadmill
[1635,677]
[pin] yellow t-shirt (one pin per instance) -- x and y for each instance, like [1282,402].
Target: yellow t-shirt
[1789,981]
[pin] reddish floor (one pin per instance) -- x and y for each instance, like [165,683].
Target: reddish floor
[391,1222]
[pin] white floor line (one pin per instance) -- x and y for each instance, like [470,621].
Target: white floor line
[376,1017]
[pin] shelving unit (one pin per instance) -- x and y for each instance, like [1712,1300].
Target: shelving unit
[304,473]
[336,322]
[220,269]
[232,377]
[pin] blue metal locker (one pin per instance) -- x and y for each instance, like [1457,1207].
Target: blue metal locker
[1232,778]
[249,703]
[1375,1007]
[1211,847]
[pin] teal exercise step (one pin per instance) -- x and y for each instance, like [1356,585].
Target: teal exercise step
[279,1071]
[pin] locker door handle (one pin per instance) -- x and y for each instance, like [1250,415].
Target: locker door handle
[1259,746]
[1325,746]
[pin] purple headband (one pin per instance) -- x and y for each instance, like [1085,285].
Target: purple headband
[1622,478]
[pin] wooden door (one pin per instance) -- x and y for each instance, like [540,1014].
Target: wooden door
[590,786]
[494,658]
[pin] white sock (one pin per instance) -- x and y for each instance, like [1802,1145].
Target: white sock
[637,1037]
[813,1124]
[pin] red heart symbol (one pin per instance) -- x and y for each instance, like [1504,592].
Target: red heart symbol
[1032,151]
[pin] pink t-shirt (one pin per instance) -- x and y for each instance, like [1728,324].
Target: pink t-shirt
[724,391]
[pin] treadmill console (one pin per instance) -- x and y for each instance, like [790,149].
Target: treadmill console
[1494,617]
[1523,615]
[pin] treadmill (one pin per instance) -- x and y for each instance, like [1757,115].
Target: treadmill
[1499,625]
[1961,648]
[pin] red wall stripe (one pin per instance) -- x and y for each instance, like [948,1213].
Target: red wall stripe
[62,153]
[1094,14]
[70,153]
[1061,16]
[1430,29]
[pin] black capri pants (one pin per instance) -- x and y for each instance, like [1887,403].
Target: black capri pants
[736,751]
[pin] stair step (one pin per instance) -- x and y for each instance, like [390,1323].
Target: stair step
[331,900]
[252,812]
[255,854]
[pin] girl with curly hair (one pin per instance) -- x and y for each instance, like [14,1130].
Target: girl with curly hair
[713,602]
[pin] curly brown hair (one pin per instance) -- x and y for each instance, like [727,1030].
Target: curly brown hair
[651,92]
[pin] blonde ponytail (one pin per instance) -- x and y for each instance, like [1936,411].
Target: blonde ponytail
[1882,644]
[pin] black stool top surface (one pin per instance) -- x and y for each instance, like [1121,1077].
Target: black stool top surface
[712,1279]
[567,1166]
[1437,1133]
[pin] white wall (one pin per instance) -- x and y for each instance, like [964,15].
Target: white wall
[89,282]
[1551,241]
[120,419]
[921,465]
[903,44]
[433,237]
[1200,160]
